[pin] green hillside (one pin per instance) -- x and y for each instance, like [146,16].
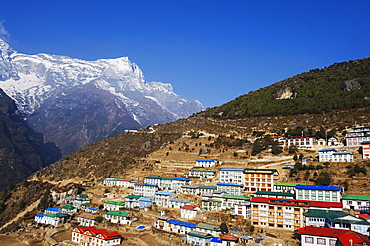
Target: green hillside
[316,91]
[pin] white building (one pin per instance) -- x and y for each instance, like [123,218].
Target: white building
[86,219]
[189,211]
[178,203]
[205,163]
[139,189]
[89,236]
[356,202]
[332,155]
[365,146]
[318,193]
[118,217]
[243,208]
[113,205]
[232,175]
[202,173]
[230,188]
[162,198]
[150,190]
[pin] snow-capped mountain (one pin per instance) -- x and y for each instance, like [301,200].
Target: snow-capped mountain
[107,94]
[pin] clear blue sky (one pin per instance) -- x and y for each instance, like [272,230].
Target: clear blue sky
[212,50]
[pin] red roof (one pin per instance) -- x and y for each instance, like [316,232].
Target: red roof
[353,239]
[364,216]
[304,203]
[344,236]
[189,207]
[100,233]
[322,231]
[110,235]
[229,237]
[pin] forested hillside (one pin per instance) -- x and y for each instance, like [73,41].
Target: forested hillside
[344,85]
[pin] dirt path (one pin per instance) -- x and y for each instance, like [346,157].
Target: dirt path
[20,215]
[146,238]
[10,241]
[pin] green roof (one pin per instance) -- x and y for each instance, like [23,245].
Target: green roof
[207,187]
[82,195]
[274,193]
[289,184]
[235,197]
[208,226]
[115,202]
[133,196]
[68,207]
[166,179]
[356,197]
[335,216]
[153,177]
[50,215]
[261,171]
[117,213]
[365,142]
[199,234]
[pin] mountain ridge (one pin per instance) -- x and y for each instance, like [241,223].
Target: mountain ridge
[40,83]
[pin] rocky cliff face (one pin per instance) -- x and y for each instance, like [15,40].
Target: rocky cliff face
[74,102]
[19,152]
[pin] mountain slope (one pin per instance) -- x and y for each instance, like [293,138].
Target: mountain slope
[50,87]
[19,153]
[341,86]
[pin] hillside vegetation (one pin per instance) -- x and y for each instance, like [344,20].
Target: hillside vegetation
[344,85]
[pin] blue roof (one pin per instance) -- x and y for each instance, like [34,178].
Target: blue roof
[181,223]
[324,150]
[140,227]
[54,209]
[317,187]
[40,215]
[179,200]
[229,184]
[146,199]
[216,240]
[151,185]
[93,208]
[181,178]
[205,160]
[342,153]
[164,193]
[232,169]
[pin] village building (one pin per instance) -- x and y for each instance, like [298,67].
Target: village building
[230,188]
[145,202]
[92,210]
[229,240]
[229,201]
[205,163]
[211,202]
[154,180]
[189,211]
[274,194]
[162,198]
[126,183]
[90,236]
[150,190]
[332,155]
[139,189]
[312,236]
[214,230]
[286,187]
[68,209]
[199,238]
[52,210]
[337,220]
[113,205]
[80,200]
[206,189]
[161,222]
[118,217]
[86,219]
[305,142]
[178,226]
[189,189]
[232,175]
[242,208]
[358,203]
[166,184]
[110,181]
[132,201]
[54,219]
[278,213]
[365,147]
[260,179]
[318,193]
[356,136]
[177,182]
[178,203]
[203,173]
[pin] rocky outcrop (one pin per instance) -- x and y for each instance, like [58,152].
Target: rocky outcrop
[284,93]
[351,85]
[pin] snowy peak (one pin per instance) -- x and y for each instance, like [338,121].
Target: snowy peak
[46,86]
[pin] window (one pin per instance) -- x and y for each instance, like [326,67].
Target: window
[321,241]
[308,240]
[332,242]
